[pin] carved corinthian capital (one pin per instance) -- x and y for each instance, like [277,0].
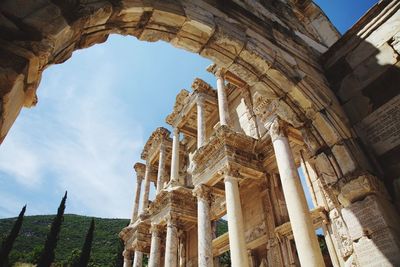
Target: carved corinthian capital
[277,129]
[202,191]
[156,229]
[172,220]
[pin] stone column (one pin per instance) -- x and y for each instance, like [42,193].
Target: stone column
[299,215]
[137,198]
[171,243]
[308,173]
[182,248]
[154,260]
[222,98]
[145,200]
[201,122]
[127,258]
[175,157]
[161,166]
[214,225]
[203,194]
[138,259]
[237,242]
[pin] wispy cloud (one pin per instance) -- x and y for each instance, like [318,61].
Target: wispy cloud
[81,140]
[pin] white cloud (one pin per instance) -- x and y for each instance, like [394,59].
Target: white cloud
[79,139]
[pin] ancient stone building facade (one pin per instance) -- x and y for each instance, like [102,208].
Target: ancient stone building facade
[289,93]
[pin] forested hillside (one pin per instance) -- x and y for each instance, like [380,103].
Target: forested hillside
[72,236]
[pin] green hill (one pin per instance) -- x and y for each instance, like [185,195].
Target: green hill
[73,231]
[105,243]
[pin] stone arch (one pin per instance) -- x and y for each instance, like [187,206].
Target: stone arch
[274,50]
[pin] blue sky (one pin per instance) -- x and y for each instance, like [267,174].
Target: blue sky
[94,114]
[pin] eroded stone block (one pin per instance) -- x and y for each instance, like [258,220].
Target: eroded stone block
[359,188]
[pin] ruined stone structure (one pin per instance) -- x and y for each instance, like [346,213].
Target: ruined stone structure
[290,93]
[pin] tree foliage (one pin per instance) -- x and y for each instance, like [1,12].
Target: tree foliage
[47,257]
[119,259]
[8,242]
[87,247]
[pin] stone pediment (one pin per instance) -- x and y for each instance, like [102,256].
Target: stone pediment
[152,145]
[180,102]
[184,114]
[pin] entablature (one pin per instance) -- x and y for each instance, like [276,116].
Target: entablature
[176,201]
[226,150]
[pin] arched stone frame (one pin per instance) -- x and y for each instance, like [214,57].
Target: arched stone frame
[277,57]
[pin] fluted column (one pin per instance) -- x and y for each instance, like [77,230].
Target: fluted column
[175,157]
[161,166]
[137,198]
[237,242]
[145,200]
[138,259]
[222,98]
[205,257]
[303,231]
[154,260]
[171,243]
[201,122]
[127,258]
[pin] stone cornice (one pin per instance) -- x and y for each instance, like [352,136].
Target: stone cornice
[201,87]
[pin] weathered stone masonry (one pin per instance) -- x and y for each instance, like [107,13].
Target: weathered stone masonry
[332,100]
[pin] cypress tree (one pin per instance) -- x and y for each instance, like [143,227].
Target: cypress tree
[8,242]
[87,246]
[119,259]
[47,256]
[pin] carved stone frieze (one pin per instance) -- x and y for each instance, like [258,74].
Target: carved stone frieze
[341,233]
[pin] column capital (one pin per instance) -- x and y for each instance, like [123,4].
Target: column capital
[127,254]
[176,130]
[228,171]
[202,192]
[229,178]
[200,100]
[172,220]
[220,73]
[162,145]
[276,128]
[139,179]
[156,229]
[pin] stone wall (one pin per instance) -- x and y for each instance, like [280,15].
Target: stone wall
[364,71]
